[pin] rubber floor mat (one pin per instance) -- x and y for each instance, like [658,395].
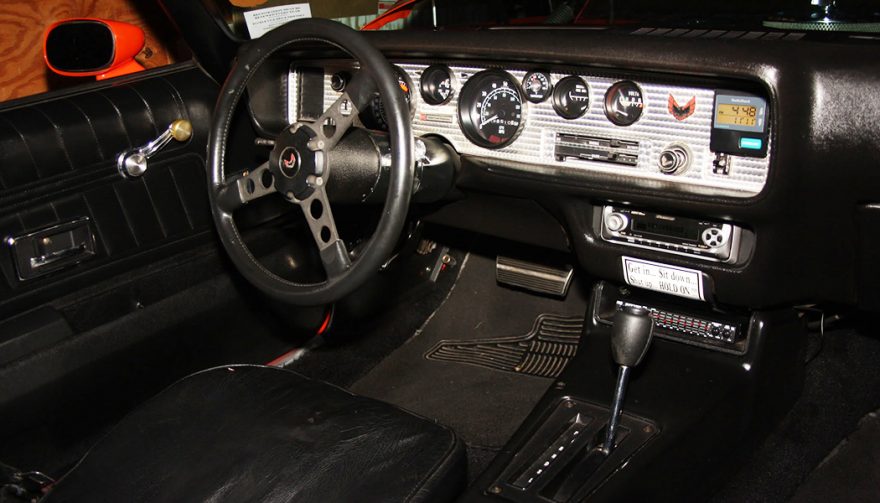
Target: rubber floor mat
[543,352]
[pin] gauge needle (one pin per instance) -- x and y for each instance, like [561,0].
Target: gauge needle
[490,119]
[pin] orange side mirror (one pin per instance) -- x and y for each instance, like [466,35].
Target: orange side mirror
[92,47]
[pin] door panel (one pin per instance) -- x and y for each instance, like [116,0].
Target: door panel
[57,164]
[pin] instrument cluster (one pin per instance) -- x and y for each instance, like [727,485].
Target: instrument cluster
[575,125]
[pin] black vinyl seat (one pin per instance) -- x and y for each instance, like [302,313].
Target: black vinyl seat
[253,433]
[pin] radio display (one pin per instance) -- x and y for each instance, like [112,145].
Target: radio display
[666,228]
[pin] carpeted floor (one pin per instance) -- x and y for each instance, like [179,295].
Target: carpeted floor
[484,406]
[851,473]
[842,385]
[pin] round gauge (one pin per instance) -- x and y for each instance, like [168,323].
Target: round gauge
[537,86]
[490,109]
[624,103]
[571,97]
[377,108]
[436,85]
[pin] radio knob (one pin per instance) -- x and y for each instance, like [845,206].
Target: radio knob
[674,160]
[616,222]
[713,237]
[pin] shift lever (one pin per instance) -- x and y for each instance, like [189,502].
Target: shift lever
[630,338]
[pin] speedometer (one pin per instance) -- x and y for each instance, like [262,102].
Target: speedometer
[490,109]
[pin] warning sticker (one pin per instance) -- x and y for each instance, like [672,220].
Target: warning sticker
[260,21]
[663,278]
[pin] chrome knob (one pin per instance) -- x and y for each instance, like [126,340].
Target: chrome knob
[674,160]
[616,222]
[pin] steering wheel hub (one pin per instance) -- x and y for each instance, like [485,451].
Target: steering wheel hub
[293,163]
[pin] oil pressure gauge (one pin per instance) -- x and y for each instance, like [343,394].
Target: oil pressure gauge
[624,103]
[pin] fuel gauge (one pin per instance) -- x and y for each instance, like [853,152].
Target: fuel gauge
[571,97]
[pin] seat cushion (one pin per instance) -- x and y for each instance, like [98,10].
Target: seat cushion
[253,433]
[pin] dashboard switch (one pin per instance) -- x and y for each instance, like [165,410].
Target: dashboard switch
[675,159]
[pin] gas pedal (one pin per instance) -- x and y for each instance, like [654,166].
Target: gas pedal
[533,277]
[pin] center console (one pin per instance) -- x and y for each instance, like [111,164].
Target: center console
[693,407]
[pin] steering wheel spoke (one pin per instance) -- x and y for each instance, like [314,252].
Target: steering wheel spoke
[334,254]
[246,187]
[339,117]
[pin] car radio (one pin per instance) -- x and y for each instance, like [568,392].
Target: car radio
[671,234]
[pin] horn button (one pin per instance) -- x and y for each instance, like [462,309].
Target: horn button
[294,165]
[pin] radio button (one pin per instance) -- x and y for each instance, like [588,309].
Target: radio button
[616,222]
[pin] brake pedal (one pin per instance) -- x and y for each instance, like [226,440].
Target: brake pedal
[533,277]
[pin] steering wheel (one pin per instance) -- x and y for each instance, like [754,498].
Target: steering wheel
[298,168]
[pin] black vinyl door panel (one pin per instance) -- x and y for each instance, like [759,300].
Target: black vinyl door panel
[58,165]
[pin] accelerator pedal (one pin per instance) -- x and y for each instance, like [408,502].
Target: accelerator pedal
[533,277]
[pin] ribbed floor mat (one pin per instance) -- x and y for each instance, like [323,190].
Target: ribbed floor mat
[543,352]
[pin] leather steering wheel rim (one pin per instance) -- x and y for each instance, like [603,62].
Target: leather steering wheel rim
[396,204]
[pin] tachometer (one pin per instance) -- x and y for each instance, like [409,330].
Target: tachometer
[490,109]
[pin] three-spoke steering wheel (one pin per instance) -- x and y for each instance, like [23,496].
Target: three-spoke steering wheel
[298,168]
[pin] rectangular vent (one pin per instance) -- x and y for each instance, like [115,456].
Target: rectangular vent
[724,34]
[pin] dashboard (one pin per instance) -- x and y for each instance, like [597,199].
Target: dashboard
[749,162]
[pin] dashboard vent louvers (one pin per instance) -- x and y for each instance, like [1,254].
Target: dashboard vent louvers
[745,35]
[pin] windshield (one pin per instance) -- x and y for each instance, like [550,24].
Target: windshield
[819,15]
[801,15]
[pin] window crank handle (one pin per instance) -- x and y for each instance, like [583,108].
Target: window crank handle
[132,163]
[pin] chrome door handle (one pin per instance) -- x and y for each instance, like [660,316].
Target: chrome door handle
[50,258]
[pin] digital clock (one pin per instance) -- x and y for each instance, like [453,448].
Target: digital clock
[737,115]
[740,112]
[739,124]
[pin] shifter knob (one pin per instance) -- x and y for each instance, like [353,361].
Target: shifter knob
[631,335]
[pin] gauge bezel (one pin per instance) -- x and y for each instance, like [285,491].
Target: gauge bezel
[550,86]
[558,108]
[470,92]
[377,108]
[427,97]
[608,105]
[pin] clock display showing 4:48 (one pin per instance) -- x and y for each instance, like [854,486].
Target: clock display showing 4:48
[490,109]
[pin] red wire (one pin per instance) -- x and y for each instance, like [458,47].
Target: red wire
[581,12]
[321,329]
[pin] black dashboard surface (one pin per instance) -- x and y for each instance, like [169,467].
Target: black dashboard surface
[811,221]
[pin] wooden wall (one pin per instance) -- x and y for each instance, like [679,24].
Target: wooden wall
[22,70]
